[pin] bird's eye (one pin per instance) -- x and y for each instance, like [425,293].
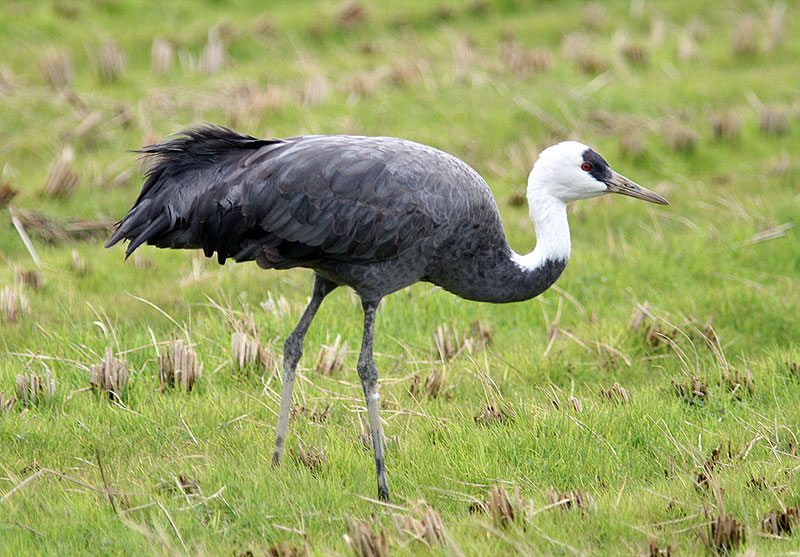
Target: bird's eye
[587,166]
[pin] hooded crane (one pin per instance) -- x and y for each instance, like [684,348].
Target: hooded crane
[373,213]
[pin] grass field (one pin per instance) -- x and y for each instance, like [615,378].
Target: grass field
[649,404]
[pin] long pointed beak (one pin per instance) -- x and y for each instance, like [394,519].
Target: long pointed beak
[620,184]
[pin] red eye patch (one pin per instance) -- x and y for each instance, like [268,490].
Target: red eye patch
[586,166]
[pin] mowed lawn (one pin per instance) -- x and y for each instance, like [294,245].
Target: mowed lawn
[647,404]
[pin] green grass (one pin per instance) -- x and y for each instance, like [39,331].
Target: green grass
[694,262]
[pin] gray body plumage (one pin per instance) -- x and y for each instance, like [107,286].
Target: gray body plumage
[373,213]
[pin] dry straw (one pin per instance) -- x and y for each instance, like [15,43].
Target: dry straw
[422,523]
[745,37]
[162,56]
[285,549]
[214,56]
[615,393]
[248,353]
[56,69]
[178,366]
[7,193]
[679,137]
[570,500]
[331,358]
[6,403]
[773,120]
[505,509]
[88,129]
[363,541]
[33,388]
[693,391]
[14,305]
[310,457]
[79,264]
[62,180]
[778,522]
[725,126]
[110,375]
[723,535]
[316,92]
[449,343]
[110,62]
[434,385]
[350,13]
[492,413]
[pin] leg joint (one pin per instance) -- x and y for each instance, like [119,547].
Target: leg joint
[293,348]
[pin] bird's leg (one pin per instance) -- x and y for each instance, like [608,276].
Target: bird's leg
[292,350]
[369,381]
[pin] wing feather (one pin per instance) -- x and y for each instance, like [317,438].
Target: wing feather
[297,201]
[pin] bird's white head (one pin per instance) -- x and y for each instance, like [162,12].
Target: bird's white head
[571,170]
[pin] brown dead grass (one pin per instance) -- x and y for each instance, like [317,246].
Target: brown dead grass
[89,130]
[687,48]
[178,366]
[725,126]
[317,90]
[422,523]
[316,414]
[7,193]
[653,549]
[79,265]
[33,388]
[31,278]
[616,394]
[723,534]
[776,26]
[571,403]
[506,509]
[110,376]
[449,342]
[678,136]
[62,180]
[111,62]
[434,386]
[56,69]
[594,16]
[214,55]
[632,144]
[570,500]
[350,14]
[6,403]
[247,354]
[521,62]
[364,541]
[162,56]
[53,230]
[285,549]
[492,413]
[330,358]
[634,53]
[780,522]
[704,475]
[693,391]
[773,120]
[745,37]
[14,304]
[310,457]
[739,382]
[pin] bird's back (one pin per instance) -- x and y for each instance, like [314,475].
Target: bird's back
[310,201]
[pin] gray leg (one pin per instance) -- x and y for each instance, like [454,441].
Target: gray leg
[292,350]
[369,381]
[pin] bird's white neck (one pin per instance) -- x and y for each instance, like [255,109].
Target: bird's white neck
[549,216]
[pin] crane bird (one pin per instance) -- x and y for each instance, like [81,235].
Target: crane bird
[373,213]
